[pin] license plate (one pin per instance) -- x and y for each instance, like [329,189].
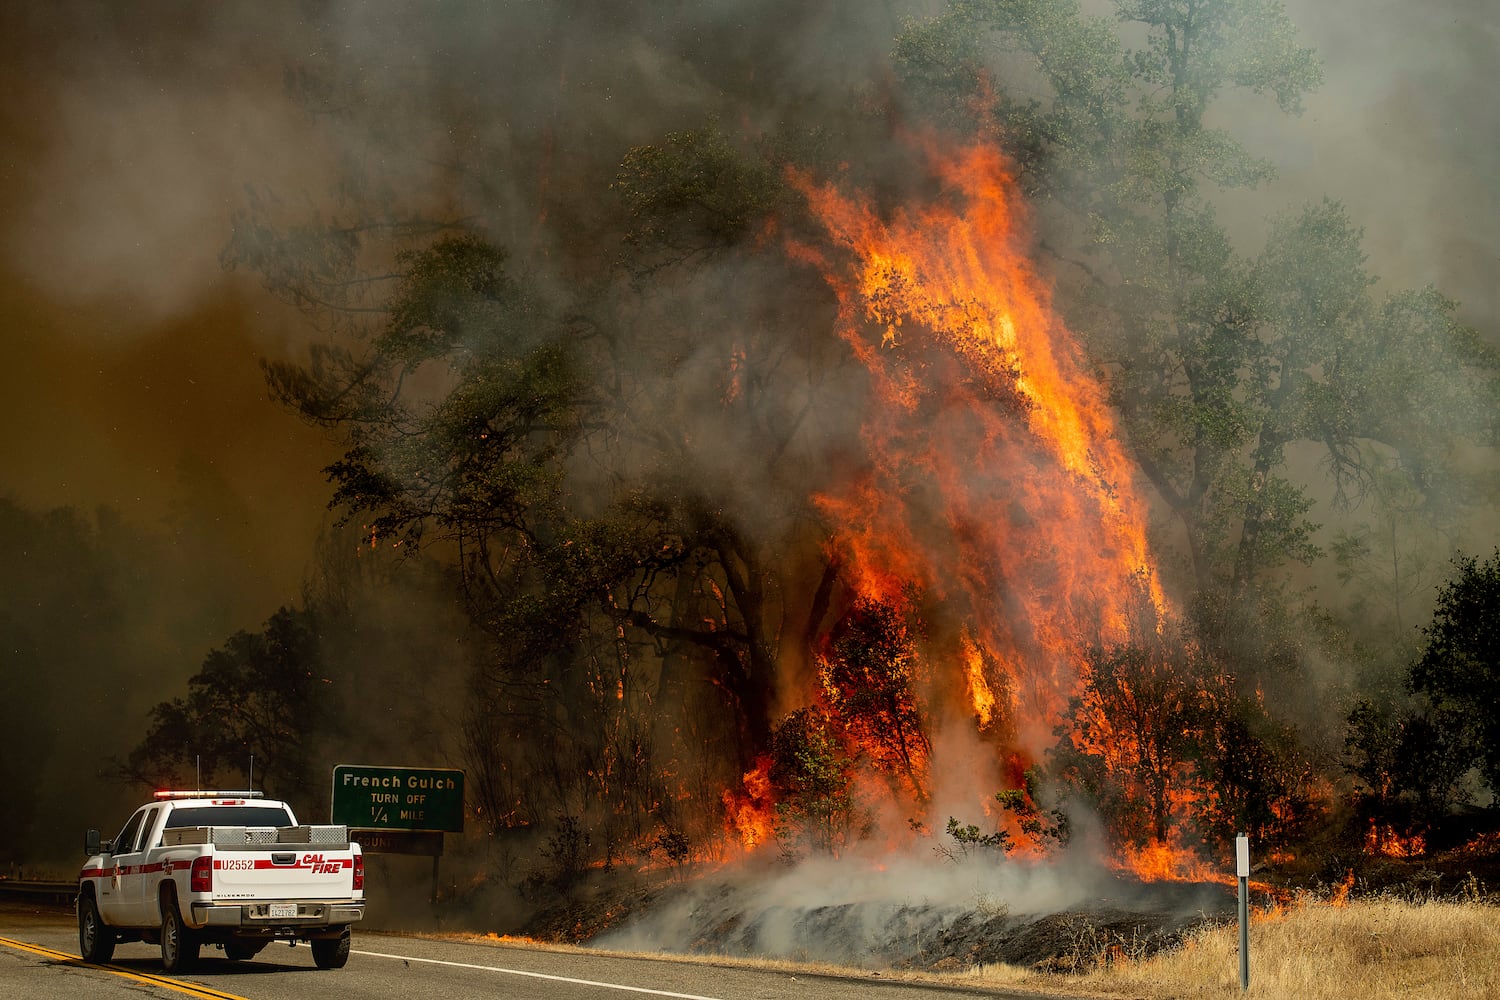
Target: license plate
[283,911]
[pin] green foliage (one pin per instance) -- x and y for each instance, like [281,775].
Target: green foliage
[968,841]
[455,295]
[1041,822]
[812,776]
[263,695]
[1256,776]
[482,461]
[1408,765]
[1062,97]
[693,191]
[539,451]
[1194,50]
[1459,669]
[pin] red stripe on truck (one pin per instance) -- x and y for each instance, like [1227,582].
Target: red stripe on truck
[126,870]
[308,862]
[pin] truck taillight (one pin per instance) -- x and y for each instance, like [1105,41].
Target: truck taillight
[201,878]
[359,872]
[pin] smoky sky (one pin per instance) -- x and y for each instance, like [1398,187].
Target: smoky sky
[1403,130]
[131,133]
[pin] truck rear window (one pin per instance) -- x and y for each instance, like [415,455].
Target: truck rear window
[228,816]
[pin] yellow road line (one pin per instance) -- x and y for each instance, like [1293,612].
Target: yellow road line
[191,989]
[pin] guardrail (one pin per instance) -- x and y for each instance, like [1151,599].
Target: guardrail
[38,891]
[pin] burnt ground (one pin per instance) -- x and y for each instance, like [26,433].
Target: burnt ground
[937,930]
[717,915]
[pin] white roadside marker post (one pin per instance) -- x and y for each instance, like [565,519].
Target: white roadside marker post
[1242,869]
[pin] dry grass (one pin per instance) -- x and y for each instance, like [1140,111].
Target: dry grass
[1373,948]
[1370,948]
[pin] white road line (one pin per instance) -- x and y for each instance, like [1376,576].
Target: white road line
[537,975]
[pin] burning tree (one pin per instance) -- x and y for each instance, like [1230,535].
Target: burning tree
[1128,737]
[1170,752]
[869,679]
[883,446]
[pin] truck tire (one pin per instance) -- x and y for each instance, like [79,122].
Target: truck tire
[331,953]
[179,945]
[96,940]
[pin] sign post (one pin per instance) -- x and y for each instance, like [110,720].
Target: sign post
[1242,870]
[399,810]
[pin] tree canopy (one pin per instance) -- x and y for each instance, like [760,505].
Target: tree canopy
[1222,364]
[620,439]
[1460,663]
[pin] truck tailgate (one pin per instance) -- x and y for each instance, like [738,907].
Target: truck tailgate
[259,875]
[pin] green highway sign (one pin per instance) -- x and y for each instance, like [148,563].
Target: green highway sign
[398,798]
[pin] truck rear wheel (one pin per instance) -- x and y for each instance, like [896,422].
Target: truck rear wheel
[179,945]
[331,953]
[96,941]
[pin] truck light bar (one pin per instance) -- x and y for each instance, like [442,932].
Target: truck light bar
[241,794]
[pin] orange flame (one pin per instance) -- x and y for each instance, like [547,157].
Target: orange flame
[751,815]
[1340,895]
[985,411]
[1385,840]
[1158,862]
[980,695]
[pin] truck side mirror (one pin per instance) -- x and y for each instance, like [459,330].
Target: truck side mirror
[91,842]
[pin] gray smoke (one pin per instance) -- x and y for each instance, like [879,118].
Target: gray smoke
[132,132]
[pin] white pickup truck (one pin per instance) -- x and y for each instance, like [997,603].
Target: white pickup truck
[231,869]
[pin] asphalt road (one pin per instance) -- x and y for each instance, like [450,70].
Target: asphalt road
[39,961]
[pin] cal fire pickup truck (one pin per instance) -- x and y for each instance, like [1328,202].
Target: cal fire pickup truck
[231,869]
